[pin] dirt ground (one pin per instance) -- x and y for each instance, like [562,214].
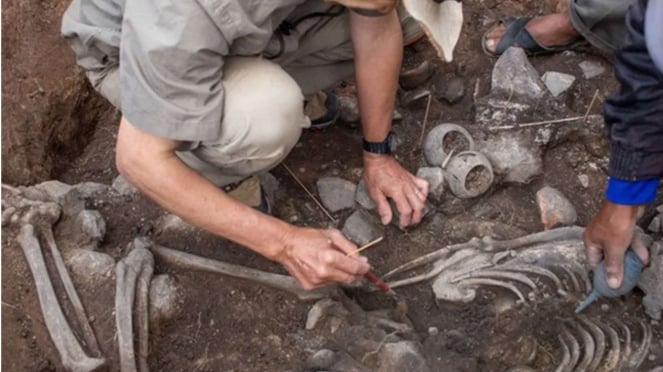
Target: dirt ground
[226,324]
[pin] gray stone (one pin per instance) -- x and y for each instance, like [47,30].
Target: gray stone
[348,108]
[123,187]
[401,356]
[655,225]
[557,82]
[172,223]
[514,157]
[493,111]
[165,298]
[321,359]
[361,228]
[584,180]
[591,69]
[56,190]
[555,208]
[651,283]
[336,193]
[362,197]
[514,75]
[659,209]
[452,90]
[89,265]
[67,196]
[417,75]
[91,228]
[323,309]
[433,331]
[92,189]
[435,178]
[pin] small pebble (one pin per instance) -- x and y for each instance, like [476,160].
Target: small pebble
[302,170]
[293,218]
[651,357]
[605,307]
[433,331]
[584,180]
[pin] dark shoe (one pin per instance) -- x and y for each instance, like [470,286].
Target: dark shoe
[322,109]
[516,34]
[250,191]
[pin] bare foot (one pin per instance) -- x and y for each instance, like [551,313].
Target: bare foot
[549,30]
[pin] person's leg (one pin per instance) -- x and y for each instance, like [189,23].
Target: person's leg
[601,22]
[262,122]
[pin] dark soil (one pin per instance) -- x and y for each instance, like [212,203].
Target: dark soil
[231,325]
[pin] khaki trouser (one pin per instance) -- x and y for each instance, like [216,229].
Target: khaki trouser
[600,22]
[263,108]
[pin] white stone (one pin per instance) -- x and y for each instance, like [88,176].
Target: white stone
[165,298]
[321,360]
[91,226]
[584,180]
[401,356]
[435,178]
[557,82]
[591,69]
[90,265]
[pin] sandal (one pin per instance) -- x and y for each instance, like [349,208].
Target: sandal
[516,34]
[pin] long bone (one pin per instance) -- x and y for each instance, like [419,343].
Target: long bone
[599,343]
[516,277]
[79,310]
[133,274]
[281,282]
[71,353]
[566,357]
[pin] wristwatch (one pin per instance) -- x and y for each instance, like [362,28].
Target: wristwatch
[383,147]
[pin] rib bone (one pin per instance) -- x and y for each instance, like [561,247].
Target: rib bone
[566,357]
[72,354]
[599,343]
[589,347]
[495,283]
[614,354]
[133,273]
[641,352]
[536,270]
[575,347]
[520,278]
[281,282]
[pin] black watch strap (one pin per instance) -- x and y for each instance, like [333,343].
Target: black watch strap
[383,147]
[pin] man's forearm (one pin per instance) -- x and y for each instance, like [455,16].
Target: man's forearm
[378,48]
[162,176]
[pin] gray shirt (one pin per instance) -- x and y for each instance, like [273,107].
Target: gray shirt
[170,54]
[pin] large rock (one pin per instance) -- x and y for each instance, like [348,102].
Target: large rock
[555,208]
[516,157]
[401,356]
[336,193]
[514,75]
[49,109]
[89,265]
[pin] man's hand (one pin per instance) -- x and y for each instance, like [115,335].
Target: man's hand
[610,234]
[385,178]
[318,257]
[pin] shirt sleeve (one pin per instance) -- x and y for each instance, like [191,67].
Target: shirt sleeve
[632,192]
[171,64]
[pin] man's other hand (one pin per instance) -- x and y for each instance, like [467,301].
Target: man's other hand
[386,178]
[610,234]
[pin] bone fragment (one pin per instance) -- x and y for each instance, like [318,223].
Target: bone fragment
[520,278]
[599,343]
[495,283]
[536,270]
[626,356]
[588,347]
[133,274]
[614,353]
[281,282]
[71,353]
[433,256]
[574,346]
[641,352]
[79,310]
[566,357]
